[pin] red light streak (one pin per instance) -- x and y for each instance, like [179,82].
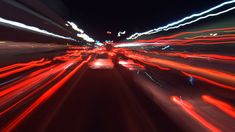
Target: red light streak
[225,107]
[32,78]
[216,77]
[158,66]
[187,33]
[189,109]
[195,55]
[43,97]
[209,81]
[3,69]
[32,93]
[2,75]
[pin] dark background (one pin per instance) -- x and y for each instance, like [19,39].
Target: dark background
[98,16]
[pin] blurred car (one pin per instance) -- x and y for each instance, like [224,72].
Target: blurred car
[102,61]
[101,64]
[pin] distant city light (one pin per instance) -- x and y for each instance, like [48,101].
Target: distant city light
[108,32]
[121,33]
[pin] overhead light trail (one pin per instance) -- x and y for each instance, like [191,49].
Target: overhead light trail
[121,33]
[85,37]
[75,27]
[32,28]
[81,33]
[177,24]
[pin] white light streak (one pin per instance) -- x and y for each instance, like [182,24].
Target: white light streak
[75,27]
[85,37]
[80,33]
[32,28]
[99,43]
[121,33]
[134,44]
[196,17]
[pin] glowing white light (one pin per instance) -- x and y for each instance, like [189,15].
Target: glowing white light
[32,28]
[121,33]
[123,62]
[177,24]
[75,27]
[81,33]
[99,43]
[200,18]
[136,44]
[98,63]
[166,47]
[130,45]
[85,37]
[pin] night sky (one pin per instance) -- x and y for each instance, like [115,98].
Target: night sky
[97,17]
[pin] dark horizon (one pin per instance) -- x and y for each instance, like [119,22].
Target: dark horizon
[97,17]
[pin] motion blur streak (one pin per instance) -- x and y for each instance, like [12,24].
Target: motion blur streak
[14,71]
[209,81]
[189,109]
[196,35]
[180,23]
[19,64]
[210,74]
[31,79]
[32,93]
[194,55]
[54,76]
[43,98]
[225,107]
[217,36]
[32,28]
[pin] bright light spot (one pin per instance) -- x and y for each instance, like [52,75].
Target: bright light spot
[108,32]
[101,64]
[213,34]
[98,63]
[166,47]
[121,62]
[121,33]
[99,43]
